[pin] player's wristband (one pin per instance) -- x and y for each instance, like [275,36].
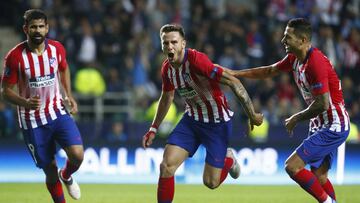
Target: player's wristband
[153,128]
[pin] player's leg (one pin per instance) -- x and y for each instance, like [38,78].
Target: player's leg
[173,157]
[68,136]
[294,166]
[213,176]
[219,160]
[181,144]
[42,148]
[75,154]
[322,175]
[53,183]
[315,151]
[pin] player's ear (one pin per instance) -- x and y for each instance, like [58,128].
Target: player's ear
[25,29]
[184,43]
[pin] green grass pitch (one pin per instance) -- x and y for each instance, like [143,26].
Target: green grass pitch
[132,193]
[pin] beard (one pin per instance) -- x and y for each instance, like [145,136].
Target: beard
[37,39]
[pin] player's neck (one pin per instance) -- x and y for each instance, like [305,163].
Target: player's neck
[302,54]
[37,49]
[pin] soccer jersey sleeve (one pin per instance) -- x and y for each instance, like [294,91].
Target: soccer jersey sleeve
[316,74]
[286,63]
[10,74]
[61,56]
[205,67]
[166,84]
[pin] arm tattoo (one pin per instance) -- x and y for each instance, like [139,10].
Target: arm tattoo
[240,93]
[244,98]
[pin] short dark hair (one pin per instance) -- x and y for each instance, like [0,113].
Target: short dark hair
[34,14]
[173,28]
[302,27]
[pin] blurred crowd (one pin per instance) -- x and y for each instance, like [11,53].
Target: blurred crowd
[119,41]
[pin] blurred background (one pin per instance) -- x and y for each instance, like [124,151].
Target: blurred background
[114,52]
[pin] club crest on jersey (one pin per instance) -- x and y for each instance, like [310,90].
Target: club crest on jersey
[52,60]
[187,77]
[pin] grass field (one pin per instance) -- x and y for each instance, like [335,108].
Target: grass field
[121,193]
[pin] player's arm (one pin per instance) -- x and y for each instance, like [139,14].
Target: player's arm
[254,73]
[8,93]
[165,101]
[319,105]
[241,93]
[66,84]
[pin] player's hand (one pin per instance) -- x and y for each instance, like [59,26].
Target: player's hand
[148,139]
[290,124]
[33,103]
[70,101]
[256,120]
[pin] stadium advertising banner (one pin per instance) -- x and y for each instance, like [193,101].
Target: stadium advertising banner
[262,164]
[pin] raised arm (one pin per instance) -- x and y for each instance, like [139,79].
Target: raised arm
[254,73]
[165,101]
[241,93]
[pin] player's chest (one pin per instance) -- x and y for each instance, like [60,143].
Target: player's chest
[299,73]
[39,70]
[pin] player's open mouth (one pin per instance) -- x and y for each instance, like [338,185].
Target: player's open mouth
[171,55]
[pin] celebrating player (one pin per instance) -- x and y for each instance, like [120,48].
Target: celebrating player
[36,66]
[207,118]
[321,90]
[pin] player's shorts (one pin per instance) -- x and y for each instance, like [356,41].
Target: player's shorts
[189,134]
[41,141]
[321,146]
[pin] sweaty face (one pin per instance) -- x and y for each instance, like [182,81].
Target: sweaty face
[173,46]
[37,30]
[291,42]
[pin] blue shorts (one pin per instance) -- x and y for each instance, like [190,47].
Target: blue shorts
[321,146]
[189,134]
[41,141]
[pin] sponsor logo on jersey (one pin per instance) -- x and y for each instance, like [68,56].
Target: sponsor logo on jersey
[187,92]
[52,60]
[42,81]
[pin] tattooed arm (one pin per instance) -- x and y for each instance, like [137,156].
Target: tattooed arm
[241,93]
[318,106]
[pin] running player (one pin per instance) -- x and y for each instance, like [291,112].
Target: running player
[321,89]
[36,66]
[207,118]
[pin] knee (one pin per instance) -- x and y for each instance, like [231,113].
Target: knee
[166,170]
[322,178]
[291,170]
[211,183]
[76,158]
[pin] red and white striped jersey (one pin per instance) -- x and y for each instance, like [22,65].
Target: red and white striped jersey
[315,76]
[37,75]
[197,81]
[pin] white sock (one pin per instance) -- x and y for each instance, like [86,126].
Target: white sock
[328,200]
